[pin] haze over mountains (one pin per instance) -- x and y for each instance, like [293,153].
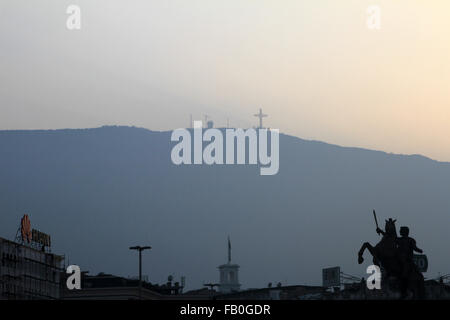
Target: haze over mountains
[99,191]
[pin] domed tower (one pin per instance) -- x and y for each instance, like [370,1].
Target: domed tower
[229,274]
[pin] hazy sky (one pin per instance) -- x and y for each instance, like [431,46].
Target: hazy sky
[313,66]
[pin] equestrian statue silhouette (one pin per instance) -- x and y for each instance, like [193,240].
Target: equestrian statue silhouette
[394,256]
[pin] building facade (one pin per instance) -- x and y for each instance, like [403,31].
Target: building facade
[28,273]
[229,278]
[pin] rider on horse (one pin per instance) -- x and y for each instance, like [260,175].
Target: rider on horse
[406,247]
[395,256]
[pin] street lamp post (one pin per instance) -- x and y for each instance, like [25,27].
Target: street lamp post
[140,249]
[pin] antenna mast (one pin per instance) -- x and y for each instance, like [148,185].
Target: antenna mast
[229,250]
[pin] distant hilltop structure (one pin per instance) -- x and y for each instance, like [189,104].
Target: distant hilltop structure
[229,275]
[260,115]
[208,123]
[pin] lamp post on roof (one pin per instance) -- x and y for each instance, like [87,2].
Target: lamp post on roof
[140,249]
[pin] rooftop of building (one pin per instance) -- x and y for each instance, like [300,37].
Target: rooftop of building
[105,280]
[33,248]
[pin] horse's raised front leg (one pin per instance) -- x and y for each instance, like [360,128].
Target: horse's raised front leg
[365,246]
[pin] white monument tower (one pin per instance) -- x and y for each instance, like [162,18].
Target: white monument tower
[229,275]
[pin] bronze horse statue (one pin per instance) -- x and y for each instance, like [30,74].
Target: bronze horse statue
[385,255]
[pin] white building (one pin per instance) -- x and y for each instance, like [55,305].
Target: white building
[229,275]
